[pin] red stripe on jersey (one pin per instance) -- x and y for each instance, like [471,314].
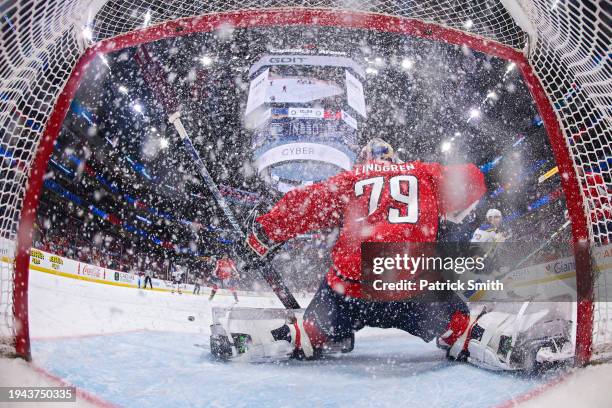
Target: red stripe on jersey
[256,245]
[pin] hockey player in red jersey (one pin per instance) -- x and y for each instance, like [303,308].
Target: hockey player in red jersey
[379,200]
[225,271]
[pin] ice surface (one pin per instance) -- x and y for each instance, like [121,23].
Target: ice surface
[138,349]
[161,369]
[18,373]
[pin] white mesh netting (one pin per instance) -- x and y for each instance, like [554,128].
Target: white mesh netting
[568,44]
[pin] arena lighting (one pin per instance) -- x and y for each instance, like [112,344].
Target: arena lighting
[379,61]
[137,107]
[474,113]
[407,63]
[468,24]
[372,71]
[87,33]
[206,60]
[446,146]
[163,143]
[123,89]
[509,69]
[104,60]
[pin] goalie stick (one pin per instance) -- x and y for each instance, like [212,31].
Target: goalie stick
[175,119]
[534,252]
[154,77]
[545,244]
[270,275]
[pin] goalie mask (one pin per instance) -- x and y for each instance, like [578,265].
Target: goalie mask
[377,149]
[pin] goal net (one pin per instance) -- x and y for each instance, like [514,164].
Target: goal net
[560,46]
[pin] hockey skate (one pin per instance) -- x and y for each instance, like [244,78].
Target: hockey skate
[246,335]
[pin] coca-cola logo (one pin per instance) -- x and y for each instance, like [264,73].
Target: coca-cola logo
[92,271]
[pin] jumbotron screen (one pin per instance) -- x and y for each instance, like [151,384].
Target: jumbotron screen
[304,112]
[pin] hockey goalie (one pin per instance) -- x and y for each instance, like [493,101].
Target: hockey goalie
[381,200]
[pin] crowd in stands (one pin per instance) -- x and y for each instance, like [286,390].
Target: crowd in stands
[118,254]
[303,265]
[105,252]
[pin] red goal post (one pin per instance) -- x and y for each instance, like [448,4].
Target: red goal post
[560,47]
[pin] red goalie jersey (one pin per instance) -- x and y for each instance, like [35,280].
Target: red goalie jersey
[376,201]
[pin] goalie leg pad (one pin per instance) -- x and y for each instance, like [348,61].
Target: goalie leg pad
[523,341]
[259,335]
[483,338]
[264,335]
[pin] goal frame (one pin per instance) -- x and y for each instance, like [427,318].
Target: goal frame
[282,17]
